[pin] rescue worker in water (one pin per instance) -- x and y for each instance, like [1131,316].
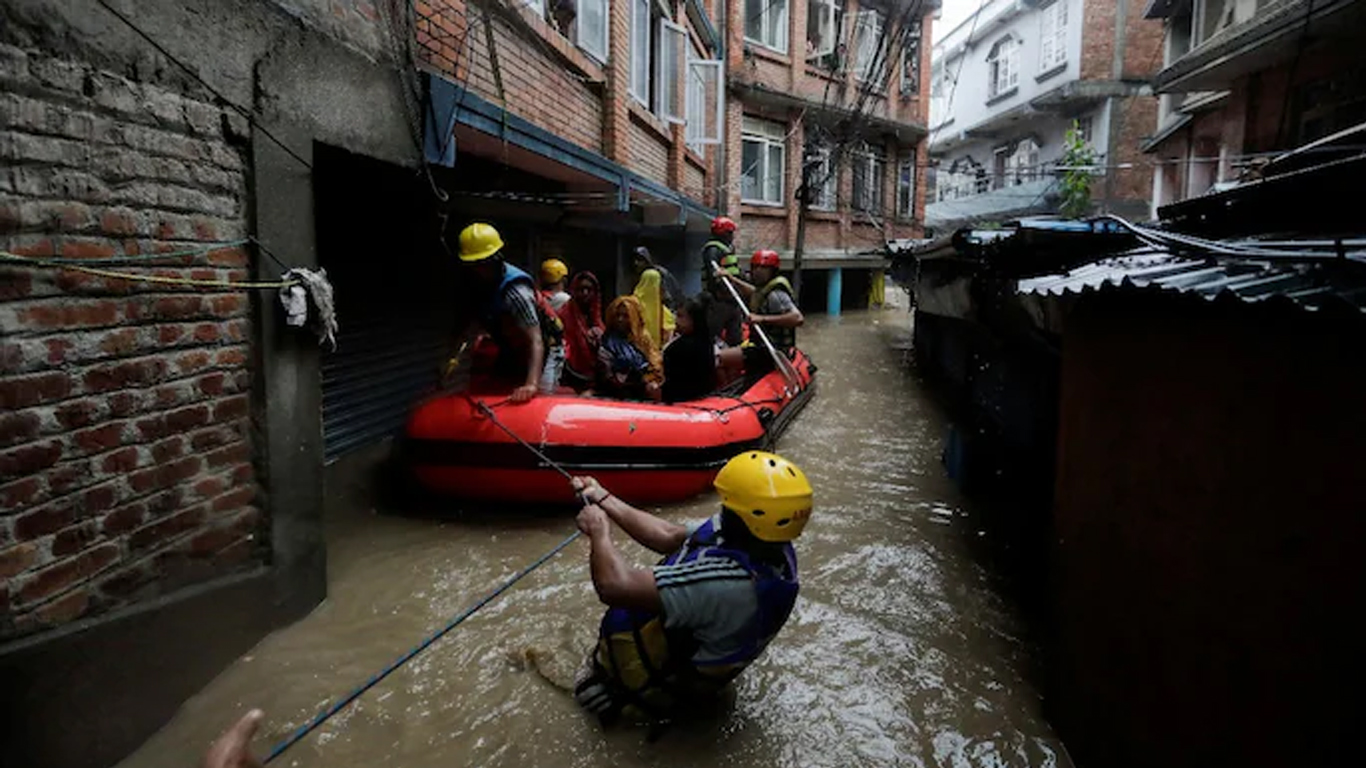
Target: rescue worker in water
[679,632]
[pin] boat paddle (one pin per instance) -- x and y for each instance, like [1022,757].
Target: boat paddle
[781,361]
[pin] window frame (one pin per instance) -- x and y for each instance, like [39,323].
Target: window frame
[870,160]
[1053,36]
[634,88]
[910,56]
[769,135]
[781,44]
[693,138]
[997,62]
[906,183]
[664,85]
[862,69]
[599,56]
[826,196]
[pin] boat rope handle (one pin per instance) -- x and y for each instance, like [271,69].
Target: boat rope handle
[341,704]
[793,380]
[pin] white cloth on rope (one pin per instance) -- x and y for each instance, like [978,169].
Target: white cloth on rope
[312,287]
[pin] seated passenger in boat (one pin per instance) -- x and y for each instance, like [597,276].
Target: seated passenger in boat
[583,329]
[629,363]
[773,306]
[659,319]
[690,359]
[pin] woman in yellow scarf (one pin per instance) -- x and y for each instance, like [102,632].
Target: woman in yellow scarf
[630,365]
[659,321]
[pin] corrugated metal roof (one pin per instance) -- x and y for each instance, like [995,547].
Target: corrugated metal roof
[1312,286]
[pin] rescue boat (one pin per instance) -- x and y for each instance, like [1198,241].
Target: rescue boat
[643,452]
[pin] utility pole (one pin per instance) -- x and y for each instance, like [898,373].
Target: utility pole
[803,205]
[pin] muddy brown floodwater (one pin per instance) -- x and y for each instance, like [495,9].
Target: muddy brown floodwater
[900,652]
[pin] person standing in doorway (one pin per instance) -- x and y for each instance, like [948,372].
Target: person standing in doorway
[526,331]
[553,273]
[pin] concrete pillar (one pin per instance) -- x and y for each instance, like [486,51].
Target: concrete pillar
[833,289]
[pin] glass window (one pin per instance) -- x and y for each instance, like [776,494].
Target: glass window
[1003,71]
[762,144]
[1053,36]
[905,187]
[766,23]
[640,52]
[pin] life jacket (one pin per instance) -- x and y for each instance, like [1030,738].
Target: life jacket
[782,338]
[728,260]
[653,668]
[552,329]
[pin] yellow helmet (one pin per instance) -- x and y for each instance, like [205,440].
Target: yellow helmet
[768,492]
[479,241]
[553,271]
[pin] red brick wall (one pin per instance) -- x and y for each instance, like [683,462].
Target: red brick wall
[755,66]
[694,181]
[1142,47]
[1132,171]
[124,442]
[649,149]
[545,79]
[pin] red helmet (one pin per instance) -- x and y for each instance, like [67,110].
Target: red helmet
[722,225]
[764,258]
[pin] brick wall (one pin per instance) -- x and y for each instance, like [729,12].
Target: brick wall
[124,430]
[694,181]
[1133,180]
[545,78]
[649,150]
[1142,41]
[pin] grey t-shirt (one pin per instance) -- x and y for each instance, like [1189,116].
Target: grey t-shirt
[778,302]
[712,597]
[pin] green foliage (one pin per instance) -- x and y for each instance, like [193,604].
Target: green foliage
[1075,186]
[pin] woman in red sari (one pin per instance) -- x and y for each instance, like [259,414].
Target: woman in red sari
[582,318]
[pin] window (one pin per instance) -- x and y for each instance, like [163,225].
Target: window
[669,63]
[1084,129]
[905,187]
[825,34]
[964,178]
[824,177]
[870,167]
[591,28]
[640,52]
[870,60]
[766,23]
[910,59]
[1002,67]
[761,161]
[1053,36]
[1022,164]
[702,101]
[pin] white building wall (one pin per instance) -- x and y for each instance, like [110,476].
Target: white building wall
[956,56]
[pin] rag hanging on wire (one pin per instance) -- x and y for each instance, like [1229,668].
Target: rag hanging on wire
[459,619]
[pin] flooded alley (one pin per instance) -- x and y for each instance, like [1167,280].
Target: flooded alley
[900,652]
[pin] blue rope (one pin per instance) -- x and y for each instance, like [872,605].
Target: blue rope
[322,717]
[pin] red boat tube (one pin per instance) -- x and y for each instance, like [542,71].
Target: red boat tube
[644,452]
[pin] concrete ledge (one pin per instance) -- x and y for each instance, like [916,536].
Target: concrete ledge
[89,695]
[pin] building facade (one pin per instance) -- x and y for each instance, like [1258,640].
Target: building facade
[1010,81]
[1244,81]
[833,94]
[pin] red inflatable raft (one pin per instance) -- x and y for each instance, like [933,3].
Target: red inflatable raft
[643,452]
